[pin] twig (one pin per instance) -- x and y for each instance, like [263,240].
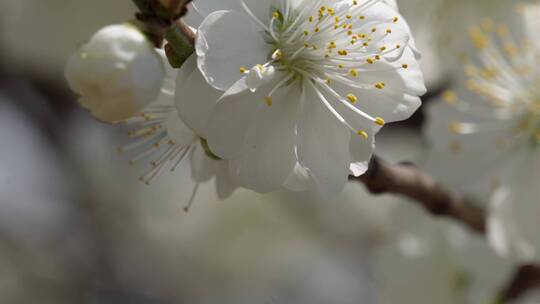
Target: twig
[155,19]
[525,279]
[408,181]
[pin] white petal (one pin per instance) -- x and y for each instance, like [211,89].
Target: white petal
[503,229]
[531,18]
[392,3]
[194,98]
[230,119]
[181,134]
[203,168]
[225,186]
[222,54]
[261,9]
[513,217]
[387,103]
[269,151]
[361,153]
[323,144]
[299,180]
[385,12]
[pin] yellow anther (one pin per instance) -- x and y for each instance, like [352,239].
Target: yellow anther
[348,17]
[268,101]
[395,19]
[243,70]
[373,30]
[353,72]
[306,33]
[450,97]
[455,126]
[383,48]
[370,61]
[388,31]
[405,66]
[310,18]
[363,134]
[278,54]
[341,66]
[275,15]
[317,30]
[455,147]
[480,40]
[352,98]
[362,17]
[380,121]
[380,85]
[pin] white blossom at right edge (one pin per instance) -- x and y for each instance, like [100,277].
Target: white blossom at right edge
[486,134]
[426,259]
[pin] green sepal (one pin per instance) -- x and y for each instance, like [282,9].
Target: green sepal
[178,48]
[207,151]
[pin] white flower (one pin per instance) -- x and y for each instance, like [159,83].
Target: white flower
[492,131]
[161,138]
[430,259]
[117,73]
[317,81]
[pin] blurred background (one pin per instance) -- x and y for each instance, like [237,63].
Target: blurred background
[76,226]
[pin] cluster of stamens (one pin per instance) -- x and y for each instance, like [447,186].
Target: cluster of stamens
[505,82]
[319,45]
[151,139]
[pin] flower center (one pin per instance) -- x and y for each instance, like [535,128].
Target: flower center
[319,45]
[324,42]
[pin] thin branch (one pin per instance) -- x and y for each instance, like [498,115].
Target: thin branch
[154,19]
[409,181]
[526,278]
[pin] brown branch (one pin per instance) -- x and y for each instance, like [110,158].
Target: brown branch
[525,279]
[156,17]
[406,180]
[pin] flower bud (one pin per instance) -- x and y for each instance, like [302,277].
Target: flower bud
[117,73]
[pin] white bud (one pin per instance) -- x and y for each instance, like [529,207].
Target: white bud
[117,73]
